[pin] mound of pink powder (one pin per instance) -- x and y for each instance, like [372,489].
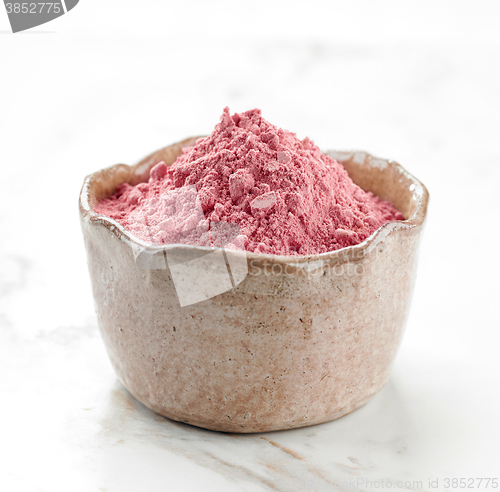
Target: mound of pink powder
[250,185]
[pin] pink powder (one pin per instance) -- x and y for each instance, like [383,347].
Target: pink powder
[273,193]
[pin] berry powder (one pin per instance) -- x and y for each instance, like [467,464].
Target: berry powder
[273,192]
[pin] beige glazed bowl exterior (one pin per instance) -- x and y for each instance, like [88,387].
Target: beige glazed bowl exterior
[300,341]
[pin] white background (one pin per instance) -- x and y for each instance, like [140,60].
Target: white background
[109,82]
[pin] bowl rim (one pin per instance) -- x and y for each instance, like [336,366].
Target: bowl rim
[420,196]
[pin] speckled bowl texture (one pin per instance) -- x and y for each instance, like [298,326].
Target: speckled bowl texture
[301,340]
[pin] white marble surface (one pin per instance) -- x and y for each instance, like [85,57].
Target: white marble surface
[112,81]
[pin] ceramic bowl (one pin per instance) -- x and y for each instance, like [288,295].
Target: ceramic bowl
[293,341]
